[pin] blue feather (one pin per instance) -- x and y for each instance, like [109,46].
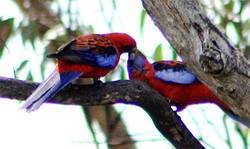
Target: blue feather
[105,60]
[135,63]
[176,76]
[52,85]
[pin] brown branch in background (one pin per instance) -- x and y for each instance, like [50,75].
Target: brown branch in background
[39,11]
[129,92]
[6,28]
[112,126]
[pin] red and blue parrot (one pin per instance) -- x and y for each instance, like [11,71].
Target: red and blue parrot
[87,56]
[175,81]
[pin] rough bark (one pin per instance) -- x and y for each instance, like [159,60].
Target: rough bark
[129,92]
[205,50]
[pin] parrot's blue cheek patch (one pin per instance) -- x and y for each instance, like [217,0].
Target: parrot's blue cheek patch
[135,63]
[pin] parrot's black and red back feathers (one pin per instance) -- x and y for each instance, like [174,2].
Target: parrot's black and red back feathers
[94,51]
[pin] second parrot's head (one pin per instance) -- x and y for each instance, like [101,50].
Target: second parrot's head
[137,65]
[122,41]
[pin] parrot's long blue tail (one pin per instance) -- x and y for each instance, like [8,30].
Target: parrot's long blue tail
[53,84]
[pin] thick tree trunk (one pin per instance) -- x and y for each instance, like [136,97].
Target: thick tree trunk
[205,50]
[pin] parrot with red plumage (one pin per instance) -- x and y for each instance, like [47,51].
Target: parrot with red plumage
[87,56]
[175,81]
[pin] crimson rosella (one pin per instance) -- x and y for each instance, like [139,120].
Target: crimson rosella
[87,56]
[175,81]
[172,79]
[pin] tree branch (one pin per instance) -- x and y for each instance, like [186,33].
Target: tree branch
[129,92]
[205,50]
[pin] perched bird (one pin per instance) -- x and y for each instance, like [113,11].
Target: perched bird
[87,56]
[175,81]
[172,79]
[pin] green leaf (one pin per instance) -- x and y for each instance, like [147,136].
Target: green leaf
[32,33]
[229,6]
[21,66]
[91,29]
[173,52]
[42,69]
[29,76]
[43,64]
[23,33]
[122,73]
[29,32]
[142,20]
[223,21]
[158,53]
[114,4]
[247,52]
[243,134]
[89,122]
[174,55]
[246,25]
[6,28]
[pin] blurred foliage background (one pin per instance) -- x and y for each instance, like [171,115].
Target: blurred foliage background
[43,25]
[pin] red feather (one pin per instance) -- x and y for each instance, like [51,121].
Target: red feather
[89,71]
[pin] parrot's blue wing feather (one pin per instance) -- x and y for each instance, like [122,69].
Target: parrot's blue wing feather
[179,77]
[101,57]
[178,74]
[53,84]
[105,60]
